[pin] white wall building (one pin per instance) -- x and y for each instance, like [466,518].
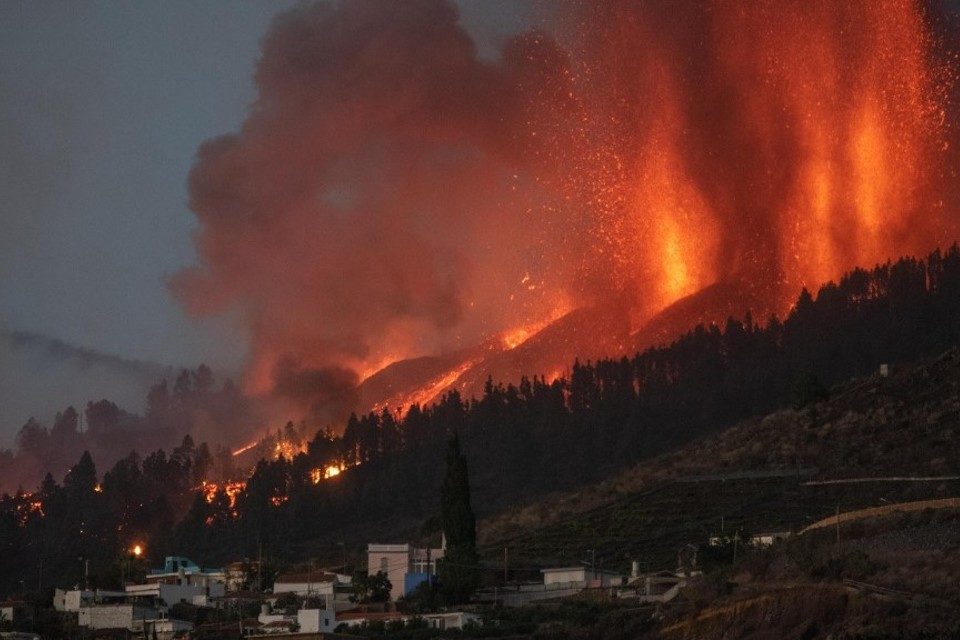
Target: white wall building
[165,629]
[311,583]
[448,620]
[317,620]
[580,576]
[451,620]
[171,594]
[115,616]
[71,599]
[406,566]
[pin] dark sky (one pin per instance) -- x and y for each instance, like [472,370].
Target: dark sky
[103,106]
[102,109]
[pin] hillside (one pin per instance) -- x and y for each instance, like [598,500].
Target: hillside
[871,429]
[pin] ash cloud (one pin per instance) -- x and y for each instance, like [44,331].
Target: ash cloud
[368,209]
[330,393]
[394,193]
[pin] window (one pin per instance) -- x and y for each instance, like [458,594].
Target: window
[384,565]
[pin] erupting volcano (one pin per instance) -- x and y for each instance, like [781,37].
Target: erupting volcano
[399,216]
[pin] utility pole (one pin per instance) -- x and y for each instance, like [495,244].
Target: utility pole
[504,565]
[260,566]
[838,523]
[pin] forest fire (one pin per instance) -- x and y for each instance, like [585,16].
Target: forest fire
[325,473]
[27,505]
[230,489]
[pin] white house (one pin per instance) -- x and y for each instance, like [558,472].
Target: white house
[564,577]
[10,611]
[184,573]
[448,620]
[656,587]
[406,566]
[451,620]
[317,620]
[72,599]
[760,540]
[115,616]
[166,628]
[171,594]
[767,539]
[311,583]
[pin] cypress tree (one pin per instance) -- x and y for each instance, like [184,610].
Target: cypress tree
[459,570]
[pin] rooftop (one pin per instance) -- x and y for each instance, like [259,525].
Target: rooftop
[301,578]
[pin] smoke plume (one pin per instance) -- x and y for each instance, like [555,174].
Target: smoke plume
[392,194]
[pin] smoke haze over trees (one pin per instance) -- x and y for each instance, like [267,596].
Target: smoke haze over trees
[191,403]
[36,371]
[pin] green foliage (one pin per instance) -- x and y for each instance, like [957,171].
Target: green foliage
[424,598]
[367,588]
[288,602]
[853,565]
[459,569]
[809,390]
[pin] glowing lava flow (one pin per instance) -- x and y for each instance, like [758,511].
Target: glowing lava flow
[771,145]
[430,392]
[245,448]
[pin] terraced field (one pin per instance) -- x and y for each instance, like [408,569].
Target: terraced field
[652,525]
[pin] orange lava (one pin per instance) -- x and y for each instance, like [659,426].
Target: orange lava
[775,143]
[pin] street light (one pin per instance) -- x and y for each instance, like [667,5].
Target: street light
[127,562]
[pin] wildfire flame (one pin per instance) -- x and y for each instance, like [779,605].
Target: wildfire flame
[330,471]
[230,489]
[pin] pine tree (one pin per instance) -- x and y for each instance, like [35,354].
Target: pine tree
[459,570]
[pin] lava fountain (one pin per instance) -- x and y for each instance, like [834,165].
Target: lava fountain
[394,195]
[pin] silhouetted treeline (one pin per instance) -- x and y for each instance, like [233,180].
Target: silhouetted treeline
[537,436]
[521,440]
[50,537]
[193,404]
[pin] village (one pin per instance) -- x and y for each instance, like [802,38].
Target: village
[325,603]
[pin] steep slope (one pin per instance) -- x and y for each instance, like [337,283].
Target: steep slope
[893,437]
[587,333]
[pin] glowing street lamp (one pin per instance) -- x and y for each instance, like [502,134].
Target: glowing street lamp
[137,550]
